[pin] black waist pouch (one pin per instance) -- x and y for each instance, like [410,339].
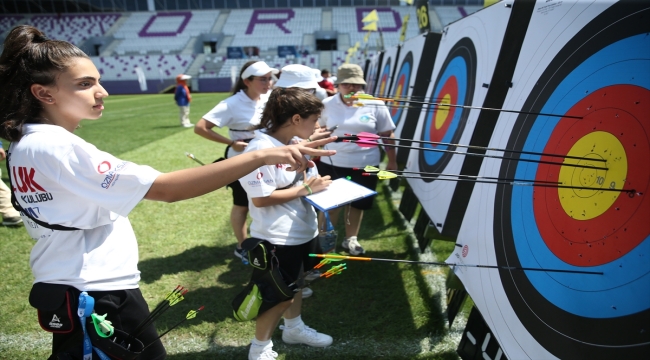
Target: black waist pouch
[269,284]
[56,305]
[120,345]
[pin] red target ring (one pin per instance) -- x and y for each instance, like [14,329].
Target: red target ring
[610,224]
[443,115]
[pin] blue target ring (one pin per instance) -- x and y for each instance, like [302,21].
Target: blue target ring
[384,79]
[401,87]
[454,85]
[458,69]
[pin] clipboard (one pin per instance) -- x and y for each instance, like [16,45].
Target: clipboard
[340,192]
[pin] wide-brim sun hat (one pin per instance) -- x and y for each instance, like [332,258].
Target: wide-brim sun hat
[259,68]
[299,76]
[350,74]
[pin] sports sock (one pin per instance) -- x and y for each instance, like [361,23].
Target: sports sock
[292,323]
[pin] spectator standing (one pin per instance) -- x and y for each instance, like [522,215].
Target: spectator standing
[373,118]
[183,99]
[241,113]
[326,83]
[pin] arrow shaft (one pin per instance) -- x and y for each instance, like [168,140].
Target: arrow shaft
[451,264]
[517,183]
[503,150]
[476,177]
[486,156]
[476,108]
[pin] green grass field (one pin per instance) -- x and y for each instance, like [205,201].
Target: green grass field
[372,310]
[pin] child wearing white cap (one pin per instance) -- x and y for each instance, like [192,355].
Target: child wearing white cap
[241,113]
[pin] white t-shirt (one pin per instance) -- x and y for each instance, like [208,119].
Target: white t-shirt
[291,223]
[238,112]
[373,118]
[61,179]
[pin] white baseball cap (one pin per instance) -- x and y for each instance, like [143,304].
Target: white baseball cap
[258,69]
[317,74]
[296,75]
[185,77]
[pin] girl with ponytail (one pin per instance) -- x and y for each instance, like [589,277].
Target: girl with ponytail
[83,238]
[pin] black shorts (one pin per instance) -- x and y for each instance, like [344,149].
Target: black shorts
[293,258]
[239,196]
[355,175]
[125,309]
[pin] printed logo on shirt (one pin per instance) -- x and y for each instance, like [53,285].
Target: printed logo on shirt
[259,175]
[103,167]
[280,166]
[254,183]
[112,176]
[364,118]
[23,182]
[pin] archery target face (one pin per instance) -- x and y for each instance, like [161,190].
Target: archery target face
[454,85]
[384,76]
[401,88]
[465,58]
[602,76]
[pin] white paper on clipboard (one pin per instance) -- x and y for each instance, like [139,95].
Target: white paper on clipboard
[340,192]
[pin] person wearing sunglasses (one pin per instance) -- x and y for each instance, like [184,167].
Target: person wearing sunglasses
[241,113]
[341,114]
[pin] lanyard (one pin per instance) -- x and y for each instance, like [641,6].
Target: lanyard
[86,306]
[328,223]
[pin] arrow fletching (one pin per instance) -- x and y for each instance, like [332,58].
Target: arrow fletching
[363,143]
[192,313]
[366,135]
[385,175]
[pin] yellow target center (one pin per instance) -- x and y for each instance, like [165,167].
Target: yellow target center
[586,204]
[443,111]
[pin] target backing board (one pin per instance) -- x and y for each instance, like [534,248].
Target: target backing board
[386,72]
[465,60]
[405,75]
[372,72]
[589,60]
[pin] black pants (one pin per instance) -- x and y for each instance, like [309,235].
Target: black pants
[125,309]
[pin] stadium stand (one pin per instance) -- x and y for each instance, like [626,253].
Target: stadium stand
[7,22]
[153,66]
[178,39]
[270,28]
[449,14]
[163,31]
[349,22]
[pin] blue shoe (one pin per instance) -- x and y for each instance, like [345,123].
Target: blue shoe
[242,254]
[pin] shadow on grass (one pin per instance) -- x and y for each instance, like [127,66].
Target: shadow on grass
[373,304]
[196,259]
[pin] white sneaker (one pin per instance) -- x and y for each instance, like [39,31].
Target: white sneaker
[352,246]
[303,334]
[187,125]
[307,292]
[262,352]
